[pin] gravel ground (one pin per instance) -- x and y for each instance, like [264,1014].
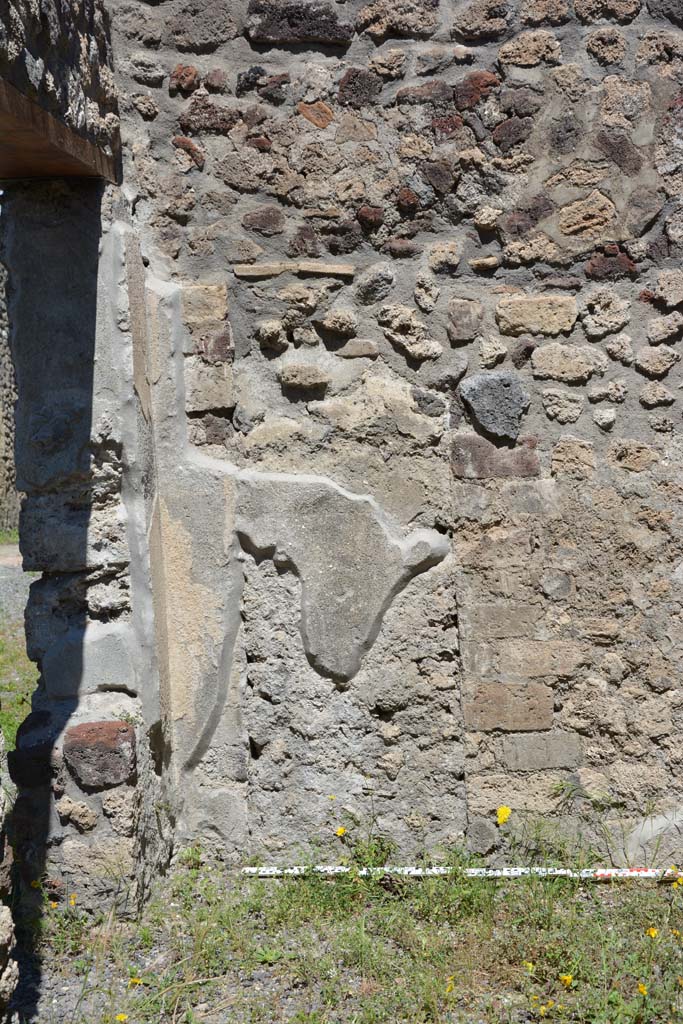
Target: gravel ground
[14,584]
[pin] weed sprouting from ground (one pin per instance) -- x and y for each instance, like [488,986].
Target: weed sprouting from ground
[215,946]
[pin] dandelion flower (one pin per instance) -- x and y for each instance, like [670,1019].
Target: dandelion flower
[642,989]
[652,933]
[341,831]
[566,980]
[502,814]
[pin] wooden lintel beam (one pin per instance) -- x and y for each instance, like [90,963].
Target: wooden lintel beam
[35,144]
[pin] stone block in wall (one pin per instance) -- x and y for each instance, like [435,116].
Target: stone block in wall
[475,458]
[55,536]
[96,656]
[205,306]
[208,387]
[76,813]
[538,751]
[512,707]
[536,314]
[496,402]
[573,458]
[100,755]
[54,442]
[199,27]
[502,547]
[533,791]
[119,806]
[296,21]
[498,621]
[534,659]
[99,864]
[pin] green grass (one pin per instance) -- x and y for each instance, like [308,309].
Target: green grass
[18,677]
[217,947]
[9,536]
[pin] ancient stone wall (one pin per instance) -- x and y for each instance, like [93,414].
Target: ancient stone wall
[9,499]
[361,499]
[58,54]
[83,763]
[427,256]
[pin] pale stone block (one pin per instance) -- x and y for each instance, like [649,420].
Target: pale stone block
[538,751]
[536,314]
[573,458]
[539,659]
[513,707]
[204,305]
[496,621]
[207,386]
[530,792]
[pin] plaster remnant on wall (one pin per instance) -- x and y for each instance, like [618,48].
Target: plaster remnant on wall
[351,564]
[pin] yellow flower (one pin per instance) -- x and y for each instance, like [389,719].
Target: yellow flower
[331,797]
[566,980]
[53,905]
[529,966]
[551,1003]
[680,982]
[642,989]
[341,831]
[135,981]
[35,884]
[652,933]
[542,1010]
[502,814]
[675,931]
[72,899]
[535,999]
[121,1016]
[450,986]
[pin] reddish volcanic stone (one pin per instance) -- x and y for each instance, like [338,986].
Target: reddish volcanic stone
[474,88]
[475,458]
[370,217]
[191,148]
[100,754]
[610,264]
[184,79]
